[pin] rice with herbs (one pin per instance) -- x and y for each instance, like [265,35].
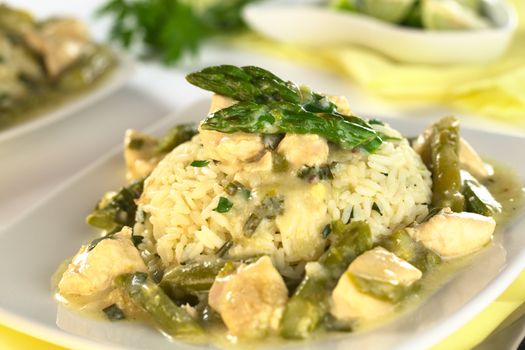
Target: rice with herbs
[388,189]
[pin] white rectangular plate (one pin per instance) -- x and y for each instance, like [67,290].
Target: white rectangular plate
[115,79]
[33,247]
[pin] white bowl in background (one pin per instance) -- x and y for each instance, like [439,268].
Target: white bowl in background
[307,22]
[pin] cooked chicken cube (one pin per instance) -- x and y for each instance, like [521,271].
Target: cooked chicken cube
[381,265]
[302,150]
[376,265]
[300,233]
[343,106]
[219,102]
[453,235]
[61,42]
[139,153]
[92,272]
[251,300]
[471,161]
[468,157]
[231,148]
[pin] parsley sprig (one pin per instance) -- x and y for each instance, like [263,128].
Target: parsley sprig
[167,29]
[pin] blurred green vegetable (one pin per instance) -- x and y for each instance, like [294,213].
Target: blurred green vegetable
[426,14]
[170,28]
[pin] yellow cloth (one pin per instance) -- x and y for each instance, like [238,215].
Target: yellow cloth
[464,338]
[495,90]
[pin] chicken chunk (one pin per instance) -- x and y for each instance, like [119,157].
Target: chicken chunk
[232,148]
[454,234]
[376,265]
[219,102]
[469,159]
[61,42]
[139,153]
[343,106]
[91,272]
[251,300]
[309,149]
[300,233]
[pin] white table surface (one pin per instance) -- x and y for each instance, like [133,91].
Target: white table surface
[32,165]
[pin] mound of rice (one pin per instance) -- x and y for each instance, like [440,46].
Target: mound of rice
[389,189]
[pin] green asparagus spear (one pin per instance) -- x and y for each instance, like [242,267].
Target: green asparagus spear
[309,304]
[192,277]
[405,247]
[118,211]
[478,198]
[283,117]
[175,136]
[446,180]
[254,84]
[169,317]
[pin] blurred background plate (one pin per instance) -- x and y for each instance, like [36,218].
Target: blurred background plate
[113,81]
[306,22]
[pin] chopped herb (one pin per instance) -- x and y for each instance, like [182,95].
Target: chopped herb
[137,239]
[376,208]
[269,208]
[114,313]
[224,249]
[199,163]
[386,137]
[236,187]
[279,163]
[95,242]
[136,144]
[326,230]
[224,205]
[315,174]
[375,122]
[251,224]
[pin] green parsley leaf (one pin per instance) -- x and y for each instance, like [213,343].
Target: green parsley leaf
[199,163]
[224,205]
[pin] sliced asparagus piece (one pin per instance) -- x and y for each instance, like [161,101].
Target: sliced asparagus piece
[169,317]
[446,179]
[478,198]
[111,214]
[405,247]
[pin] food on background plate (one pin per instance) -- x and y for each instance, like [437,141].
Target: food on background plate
[282,215]
[425,14]
[43,62]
